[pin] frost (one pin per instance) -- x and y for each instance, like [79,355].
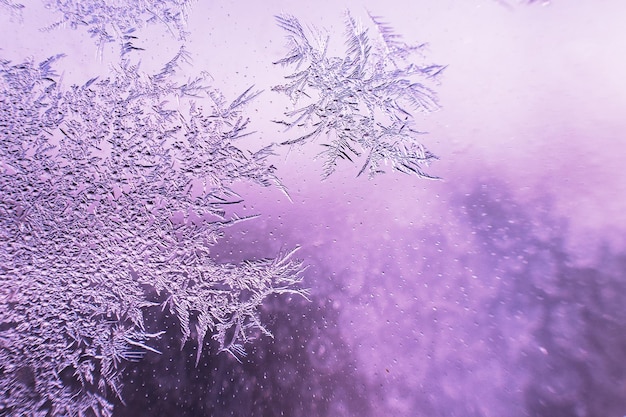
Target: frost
[109,20]
[115,21]
[14,8]
[362,101]
[112,194]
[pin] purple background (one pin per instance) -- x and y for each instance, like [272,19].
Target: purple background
[498,291]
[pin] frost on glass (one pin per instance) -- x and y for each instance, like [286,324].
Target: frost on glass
[361,102]
[115,21]
[112,194]
[13,7]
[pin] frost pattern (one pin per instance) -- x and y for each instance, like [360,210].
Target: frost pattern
[110,201]
[116,21]
[362,101]
[14,8]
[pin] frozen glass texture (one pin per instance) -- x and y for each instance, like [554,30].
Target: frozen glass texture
[362,99]
[193,220]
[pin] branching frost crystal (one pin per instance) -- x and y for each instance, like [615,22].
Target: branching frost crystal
[115,21]
[112,192]
[361,102]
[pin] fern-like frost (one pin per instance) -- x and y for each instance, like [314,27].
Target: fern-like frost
[112,192]
[361,102]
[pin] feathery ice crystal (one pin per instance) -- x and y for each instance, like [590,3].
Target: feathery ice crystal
[114,21]
[361,101]
[111,196]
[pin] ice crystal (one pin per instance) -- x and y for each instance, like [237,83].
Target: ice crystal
[14,8]
[361,102]
[115,21]
[112,194]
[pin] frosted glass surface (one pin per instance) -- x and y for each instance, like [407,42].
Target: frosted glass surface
[329,209]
